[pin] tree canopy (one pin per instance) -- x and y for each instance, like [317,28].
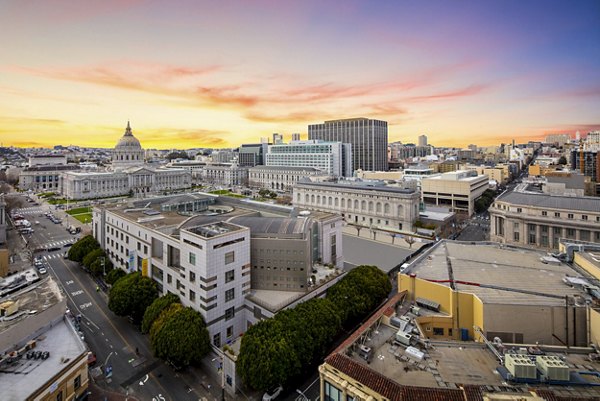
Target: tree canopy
[113,275]
[82,248]
[131,295]
[154,310]
[277,350]
[180,336]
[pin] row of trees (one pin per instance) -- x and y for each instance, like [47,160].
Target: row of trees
[87,251]
[278,350]
[483,203]
[177,334]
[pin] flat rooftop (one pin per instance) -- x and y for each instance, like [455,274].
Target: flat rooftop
[19,379]
[216,229]
[492,264]
[446,365]
[359,185]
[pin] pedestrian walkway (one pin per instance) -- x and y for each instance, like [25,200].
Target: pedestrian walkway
[58,243]
[30,211]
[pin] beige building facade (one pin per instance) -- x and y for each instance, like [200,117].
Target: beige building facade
[540,220]
[456,190]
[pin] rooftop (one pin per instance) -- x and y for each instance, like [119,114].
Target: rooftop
[20,379]
[290,168]
[272,225]
[214,229]
[547,201]
[493,264]
[359,185]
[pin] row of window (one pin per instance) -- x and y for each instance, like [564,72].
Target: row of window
[544,213]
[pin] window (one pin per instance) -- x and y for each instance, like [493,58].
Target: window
[145,248]
[229,313]
[438,331]
[332,393]
[192,277]
[169,279]
[139,246]
[217,340]
[544,213]
[192,259]
[556,214]
[571,233]
[229,294]
[192,296]
[519,210]
[230,332]
[77,382]
[229,276]
[584,217]
[59,396]
[229,257]
[570,215]
[584,235]
[516,236]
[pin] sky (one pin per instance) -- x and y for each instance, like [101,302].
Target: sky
[221,73]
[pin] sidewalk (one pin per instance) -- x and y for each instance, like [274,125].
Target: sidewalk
[382,237]
[99,394]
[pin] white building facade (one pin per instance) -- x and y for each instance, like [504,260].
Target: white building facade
[363,205]
[333,158]
[278,177]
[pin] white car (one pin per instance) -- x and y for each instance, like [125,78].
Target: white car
[272,394]
[42,270]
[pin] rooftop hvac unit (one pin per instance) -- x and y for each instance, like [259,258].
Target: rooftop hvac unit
[414,353]
[403,338]
[520,366]
[552,367]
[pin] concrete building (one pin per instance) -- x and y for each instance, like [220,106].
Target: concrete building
[422,140]
[279,177]
[225,174]
[369,140]
[558,139]
[45,177]
[47,160]
[62,373]
[419,345]
[587,162]
[333,158]
[539,220]
[251,155]
[130,175]
[223,156]
[418,173]
[494,173]
[370,204]
[457,190]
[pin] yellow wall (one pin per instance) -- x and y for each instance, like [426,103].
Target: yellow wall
[464,309]
[594,326]
[587,265]
[535,169]
[3,262]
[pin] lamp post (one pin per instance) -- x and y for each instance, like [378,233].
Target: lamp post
[303,395]
[103,266]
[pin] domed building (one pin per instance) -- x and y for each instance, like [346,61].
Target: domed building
[130,175]
[128,152]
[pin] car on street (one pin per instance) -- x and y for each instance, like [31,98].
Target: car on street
[53,248]
[42,270]
[68,244]
[272,393]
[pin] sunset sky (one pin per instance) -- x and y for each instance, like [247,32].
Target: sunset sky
[221,73]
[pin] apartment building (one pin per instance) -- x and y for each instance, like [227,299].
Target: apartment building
[456,190]
[361,203]
[540,220]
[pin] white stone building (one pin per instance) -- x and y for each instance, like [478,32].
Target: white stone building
[360,203]
[279,177]
[130,175]
[333,158]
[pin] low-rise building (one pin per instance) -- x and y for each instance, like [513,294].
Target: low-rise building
[43,357]
[369,204]
[279,177]
[540,220]
[457,190]
[44,178]
[225,174]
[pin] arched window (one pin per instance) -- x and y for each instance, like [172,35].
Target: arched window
[378,207]
[386,208]
[306,198]
[318,199]
[329,201]
[298,197]
[356,204]
[370,206]
[343,203]
[312,199]
[336,202]
[363,206]
[400,211]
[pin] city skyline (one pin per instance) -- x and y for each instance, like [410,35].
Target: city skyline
[219,75]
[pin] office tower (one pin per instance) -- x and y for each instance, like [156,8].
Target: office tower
[368,137]
[422,140]
[295,137]
[333,158]
[277,138]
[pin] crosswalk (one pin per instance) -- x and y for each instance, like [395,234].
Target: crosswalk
[30,211]
[47,258]
[58,243]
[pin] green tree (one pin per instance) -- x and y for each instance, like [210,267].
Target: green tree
[113,275]
[267,357]
[154,310]
[131,295]
[82,247]
[182,338]
[164,316]
[92,257]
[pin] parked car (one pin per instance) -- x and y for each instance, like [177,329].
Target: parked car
[272,394]
[42,270]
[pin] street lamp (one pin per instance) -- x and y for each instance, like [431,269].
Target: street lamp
[103,266]
[303,395]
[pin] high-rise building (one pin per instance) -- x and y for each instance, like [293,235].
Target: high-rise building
[333,158]
[422,140]
[593,138]
[295,137]
[368,137]
[277,138]
[558,139]
[588,162]
[251,155]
